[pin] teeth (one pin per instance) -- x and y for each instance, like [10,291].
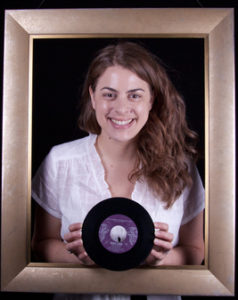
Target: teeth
[118,122]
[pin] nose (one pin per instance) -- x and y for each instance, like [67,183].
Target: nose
[122,105]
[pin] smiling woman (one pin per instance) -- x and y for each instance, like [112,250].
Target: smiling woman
[139,147]
[122,102]
[163,140]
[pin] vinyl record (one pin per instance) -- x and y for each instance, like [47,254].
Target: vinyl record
[118,234]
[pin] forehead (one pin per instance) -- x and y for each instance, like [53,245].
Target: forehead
[120,76]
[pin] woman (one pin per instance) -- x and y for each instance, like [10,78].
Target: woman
[139,147]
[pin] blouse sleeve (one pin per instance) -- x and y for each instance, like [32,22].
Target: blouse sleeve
[194,197]
[44,186]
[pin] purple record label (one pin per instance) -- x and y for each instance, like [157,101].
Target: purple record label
[118,233]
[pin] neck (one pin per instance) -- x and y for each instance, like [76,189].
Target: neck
[115,150]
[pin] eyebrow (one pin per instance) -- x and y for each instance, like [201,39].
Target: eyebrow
[108,88]
[114,90]
[135,90]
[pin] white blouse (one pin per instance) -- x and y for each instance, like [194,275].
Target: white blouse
[71,180]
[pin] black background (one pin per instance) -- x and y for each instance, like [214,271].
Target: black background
[59,71]
[63,128]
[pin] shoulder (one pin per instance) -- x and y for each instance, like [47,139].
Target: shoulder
[72,150]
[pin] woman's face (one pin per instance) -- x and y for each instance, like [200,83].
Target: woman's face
[122,102]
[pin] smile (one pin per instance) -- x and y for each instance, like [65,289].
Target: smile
[122,122]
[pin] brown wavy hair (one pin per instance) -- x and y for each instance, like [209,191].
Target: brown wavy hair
[165,145]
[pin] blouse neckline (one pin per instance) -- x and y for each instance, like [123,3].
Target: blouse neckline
[99,173]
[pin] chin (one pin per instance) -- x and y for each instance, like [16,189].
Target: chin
[123,137]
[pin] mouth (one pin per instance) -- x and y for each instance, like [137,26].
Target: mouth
[121,123]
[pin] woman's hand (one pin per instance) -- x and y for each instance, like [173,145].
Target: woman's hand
[162,245]
[75,244]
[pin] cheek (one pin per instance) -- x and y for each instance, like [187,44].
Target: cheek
[143,109]
[102,107]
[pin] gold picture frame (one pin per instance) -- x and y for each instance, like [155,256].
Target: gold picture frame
[216,26]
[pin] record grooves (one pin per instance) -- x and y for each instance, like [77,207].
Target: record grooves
[118,234]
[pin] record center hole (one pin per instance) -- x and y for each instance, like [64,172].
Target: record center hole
[118,233]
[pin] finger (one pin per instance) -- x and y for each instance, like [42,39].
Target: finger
[150,260]
[72,236]
[75,226]
[157,255]
[164,235]
[166,246]
[154,258]
[75,247]
[85,259]
[161,226]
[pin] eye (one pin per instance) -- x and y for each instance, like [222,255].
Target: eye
[134,96]
[109,95]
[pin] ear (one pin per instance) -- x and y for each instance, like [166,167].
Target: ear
[91,93]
